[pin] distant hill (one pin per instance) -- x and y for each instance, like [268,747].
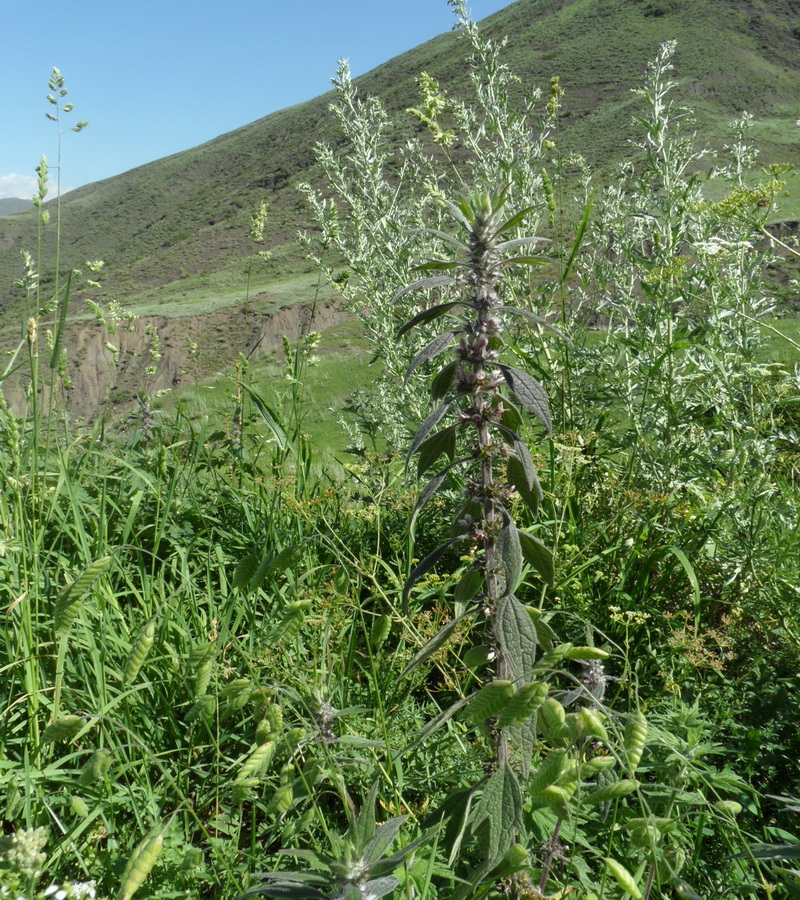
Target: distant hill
[178,226]
[10,205]
[189,213]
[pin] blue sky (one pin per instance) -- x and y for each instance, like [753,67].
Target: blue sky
[154,78]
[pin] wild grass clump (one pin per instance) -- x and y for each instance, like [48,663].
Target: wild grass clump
[564,665]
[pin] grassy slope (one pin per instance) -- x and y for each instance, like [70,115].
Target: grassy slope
[174,232]
[188,214]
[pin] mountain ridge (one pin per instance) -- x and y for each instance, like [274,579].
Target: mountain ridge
[189,212]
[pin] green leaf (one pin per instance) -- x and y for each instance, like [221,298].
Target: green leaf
[434,643]
[501,806]
[469,585]
[385,835]
[529,393]
[429,490]
[427,315]
[288,890]
[428,563]
[514,220]
[772,851]
[578,239]
[424,284]
[530,491]
[531,317]
[427,426]
[508,549]
[443,380]
[363,827]
[437,264]
[270,417]
[443,441]
[429,351]
[516,636]
[537,555]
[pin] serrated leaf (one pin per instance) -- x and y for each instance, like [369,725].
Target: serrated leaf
[427,315]
[536,554]
[508,549]
[430,351]
[516,636]
[501,806]
[433,644]
[529,393]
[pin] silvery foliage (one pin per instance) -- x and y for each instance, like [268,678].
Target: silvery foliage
[383,204]
[678,280]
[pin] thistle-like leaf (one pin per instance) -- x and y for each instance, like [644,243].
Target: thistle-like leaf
[430,351]
[529,393]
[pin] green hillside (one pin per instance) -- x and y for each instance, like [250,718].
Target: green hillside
[188,214]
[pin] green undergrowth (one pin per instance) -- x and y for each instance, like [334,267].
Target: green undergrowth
[535,636]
